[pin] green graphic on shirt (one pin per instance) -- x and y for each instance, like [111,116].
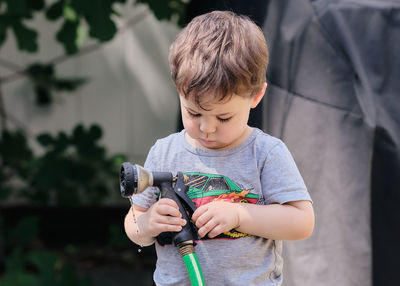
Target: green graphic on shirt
[204,188]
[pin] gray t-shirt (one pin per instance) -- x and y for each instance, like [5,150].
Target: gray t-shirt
[261,170]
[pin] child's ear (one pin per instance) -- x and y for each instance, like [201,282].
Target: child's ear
[257,98]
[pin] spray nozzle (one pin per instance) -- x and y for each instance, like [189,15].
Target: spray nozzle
[134,179]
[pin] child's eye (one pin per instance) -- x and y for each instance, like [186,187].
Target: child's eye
[194,114]
[224,119]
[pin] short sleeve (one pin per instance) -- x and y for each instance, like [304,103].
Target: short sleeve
[281,181]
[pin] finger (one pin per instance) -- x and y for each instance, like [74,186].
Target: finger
[199,211]
[207,227]
[171,220]
[167,201]
[166,227]
[203,219]
[218,229]
[166,209]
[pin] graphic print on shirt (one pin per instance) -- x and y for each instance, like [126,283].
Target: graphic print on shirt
[203,188]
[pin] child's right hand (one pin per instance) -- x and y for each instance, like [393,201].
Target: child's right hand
[162,216]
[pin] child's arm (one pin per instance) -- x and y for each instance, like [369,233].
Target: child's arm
[162,216]
[290,221]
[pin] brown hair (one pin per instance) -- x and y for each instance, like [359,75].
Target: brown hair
[219,53]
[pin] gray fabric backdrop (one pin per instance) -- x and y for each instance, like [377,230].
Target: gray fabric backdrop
[333,98]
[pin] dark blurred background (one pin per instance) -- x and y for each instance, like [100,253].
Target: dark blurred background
[84,87]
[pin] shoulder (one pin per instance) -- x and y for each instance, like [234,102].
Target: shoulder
[163,150]
[267,144]
[166,145]
[166,142]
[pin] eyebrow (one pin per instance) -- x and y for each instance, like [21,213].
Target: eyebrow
[194,111]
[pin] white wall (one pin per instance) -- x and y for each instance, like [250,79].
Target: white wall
[130,93]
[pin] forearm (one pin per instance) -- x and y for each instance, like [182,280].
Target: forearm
[133,230]
[292,221]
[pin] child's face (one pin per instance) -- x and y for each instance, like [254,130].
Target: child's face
[220,125]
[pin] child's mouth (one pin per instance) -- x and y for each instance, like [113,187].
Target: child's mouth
[207,142]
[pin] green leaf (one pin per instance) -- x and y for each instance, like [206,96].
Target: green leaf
[103,32]
[55,11]
[42,76]
[45,262]
[73,169]
[167,9]
[98,18]
[36,4]
[40,72]
[160,9]
[70,14]
[68,35]
[26,37]
[18,9]
[95,132]
[44,80]
[3,32]
[82,35]
[61,143]
[45,139]
[43,95]
[69,84]
[78,133]
[84,7]
[14,148]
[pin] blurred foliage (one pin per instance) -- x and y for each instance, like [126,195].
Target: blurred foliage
[74,168]
[118,238]
[71,169]
[45,82]
[171,10]
[13,14]
[24,264]
[75,15]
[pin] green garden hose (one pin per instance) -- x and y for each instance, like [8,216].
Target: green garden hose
[192,263]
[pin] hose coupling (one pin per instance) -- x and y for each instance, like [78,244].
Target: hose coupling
[186,247]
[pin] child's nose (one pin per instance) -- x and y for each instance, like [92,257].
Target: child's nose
[207,126]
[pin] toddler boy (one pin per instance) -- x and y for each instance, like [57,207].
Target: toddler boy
[245,184]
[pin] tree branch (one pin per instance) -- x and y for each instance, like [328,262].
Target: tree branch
[19,72]
[9,65]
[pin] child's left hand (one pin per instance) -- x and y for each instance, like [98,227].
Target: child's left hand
[216,217]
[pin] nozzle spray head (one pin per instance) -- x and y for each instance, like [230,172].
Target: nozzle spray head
[133,179]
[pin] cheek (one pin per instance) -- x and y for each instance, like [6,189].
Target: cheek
[188,123]
[232,129]
[226,131]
